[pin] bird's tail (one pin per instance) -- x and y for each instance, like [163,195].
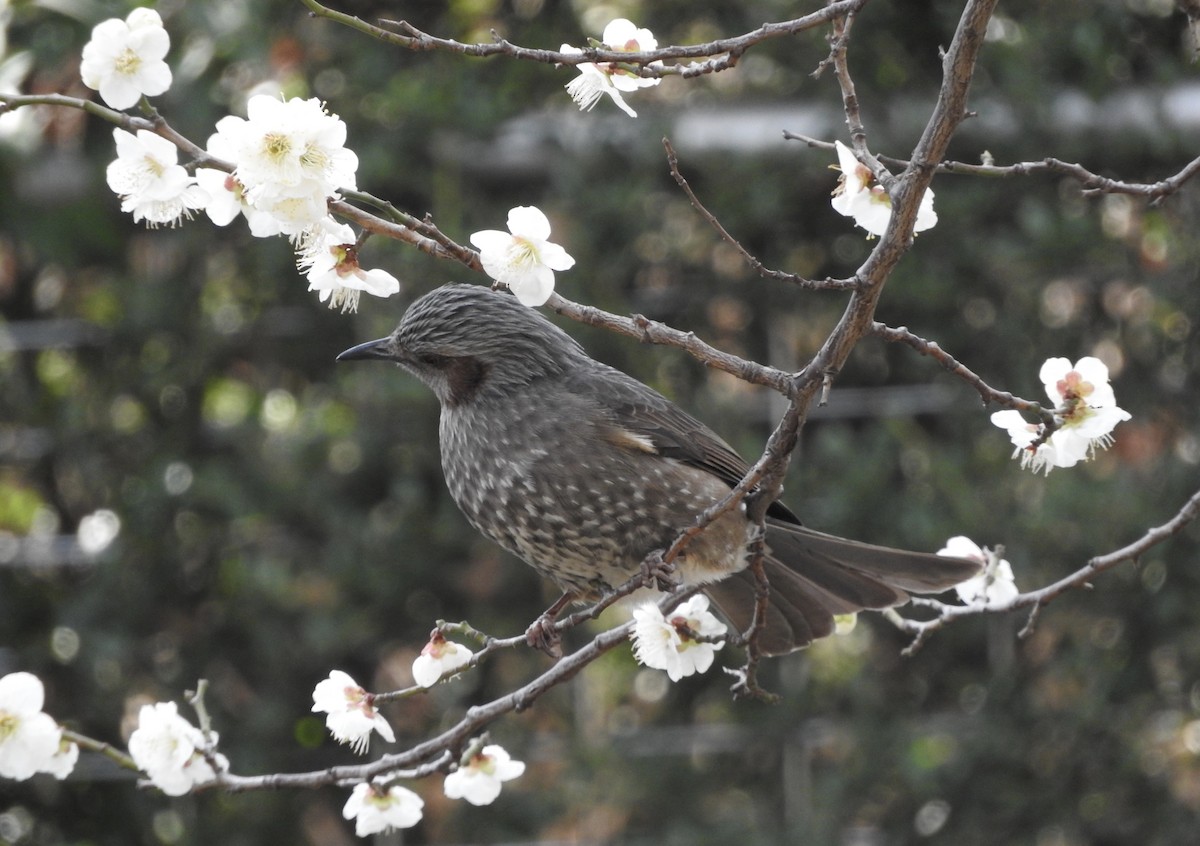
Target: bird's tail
[814,576]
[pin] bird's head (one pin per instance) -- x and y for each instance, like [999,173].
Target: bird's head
[463,339]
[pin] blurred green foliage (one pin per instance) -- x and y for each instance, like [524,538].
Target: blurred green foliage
[281,516]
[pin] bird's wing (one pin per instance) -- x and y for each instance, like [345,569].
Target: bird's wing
[644,419]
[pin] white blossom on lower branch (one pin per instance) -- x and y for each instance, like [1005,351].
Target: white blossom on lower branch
[30,740]
[479,780]
[669,643]
[376,810]
[994,586]
[172,751]
[351,711]
[438,658]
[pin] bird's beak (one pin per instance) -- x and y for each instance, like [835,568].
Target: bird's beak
[371,349]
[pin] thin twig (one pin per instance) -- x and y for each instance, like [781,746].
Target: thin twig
[987,393]
[1035,600]
[1092,183]
[827,284]
[729,50]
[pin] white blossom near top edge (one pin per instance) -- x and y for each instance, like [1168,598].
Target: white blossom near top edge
[596,80]
[124,58]
[351,711]
[995,584]
[171,751]
[668,643]
[29,739]
[376,810]
[150,183]
[858,196]
[438,658]
[1083,404]
[523,258]
[479,780]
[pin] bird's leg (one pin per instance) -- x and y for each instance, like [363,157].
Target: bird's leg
[659,574]
[541,634]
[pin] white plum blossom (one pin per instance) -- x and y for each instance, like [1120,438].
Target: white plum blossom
[523,258]
[376,810]
[124,58]
[289,156]
[29,739]
[1083,404]
[479,780]
[594,81]
[62,763]
[352,715]
[285,143]
[328,256]
[151,185]
[227,195]
[438,658]
[171,751]
[858,196]
[994,586]
[1022,433]
[669,643]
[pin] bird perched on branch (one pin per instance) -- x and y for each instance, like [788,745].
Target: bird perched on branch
[584,472]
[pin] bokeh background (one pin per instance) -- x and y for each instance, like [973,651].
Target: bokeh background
[191,488]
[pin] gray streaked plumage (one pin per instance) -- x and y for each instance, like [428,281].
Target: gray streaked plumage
[583,471]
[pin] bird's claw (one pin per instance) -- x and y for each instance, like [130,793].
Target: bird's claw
[659,574]
[542,635]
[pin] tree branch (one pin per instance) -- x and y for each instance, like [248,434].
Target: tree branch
[412,38]
[1035,600]
[1092,183]
[827,284]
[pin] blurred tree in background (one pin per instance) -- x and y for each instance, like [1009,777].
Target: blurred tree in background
[281,516]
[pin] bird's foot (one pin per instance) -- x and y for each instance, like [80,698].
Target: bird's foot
[543,636]
[659,574]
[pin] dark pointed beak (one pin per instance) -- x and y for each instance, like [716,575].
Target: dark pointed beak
[370,350]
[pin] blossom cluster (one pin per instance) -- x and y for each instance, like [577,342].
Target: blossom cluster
[378,807]
[288,158]
[1083,405]
[31,741]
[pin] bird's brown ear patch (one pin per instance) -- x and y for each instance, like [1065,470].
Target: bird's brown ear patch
[464,376]
[631,441]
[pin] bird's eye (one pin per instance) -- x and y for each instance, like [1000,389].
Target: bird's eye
[432,359]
